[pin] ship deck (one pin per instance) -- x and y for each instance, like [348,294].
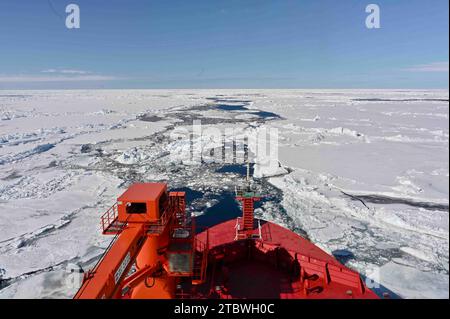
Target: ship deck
[265,267]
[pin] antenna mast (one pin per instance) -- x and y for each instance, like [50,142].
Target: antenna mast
[248,174]
[246,195]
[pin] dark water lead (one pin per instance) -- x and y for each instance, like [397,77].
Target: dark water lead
[380,199]
[240,169]
[231,107]
[266,115]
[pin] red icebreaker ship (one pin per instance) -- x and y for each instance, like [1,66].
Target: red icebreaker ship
[157,252]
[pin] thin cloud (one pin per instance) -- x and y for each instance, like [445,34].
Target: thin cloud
[65,71]
[57,78]
[430,67]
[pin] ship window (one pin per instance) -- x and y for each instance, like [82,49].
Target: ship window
[136,208]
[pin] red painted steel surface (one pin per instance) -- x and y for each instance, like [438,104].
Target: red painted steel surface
[266,275]
[143,192]
[103,281]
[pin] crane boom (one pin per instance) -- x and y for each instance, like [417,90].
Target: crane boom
[103,281]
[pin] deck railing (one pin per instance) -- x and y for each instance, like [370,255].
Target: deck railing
[109,217]
[199,271]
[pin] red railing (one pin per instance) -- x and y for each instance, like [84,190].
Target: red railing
[199,245]
[109,217]
[157,226]
[199,271]
[326,270]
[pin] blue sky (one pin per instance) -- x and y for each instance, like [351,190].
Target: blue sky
[223,44]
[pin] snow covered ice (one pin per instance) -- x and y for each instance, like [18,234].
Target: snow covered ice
[363,173]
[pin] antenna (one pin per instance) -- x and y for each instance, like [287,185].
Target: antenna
[249,187]
[245,225]
[248,172]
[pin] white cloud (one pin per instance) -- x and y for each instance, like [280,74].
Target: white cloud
[54,78]
[65,71]
[430,67]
